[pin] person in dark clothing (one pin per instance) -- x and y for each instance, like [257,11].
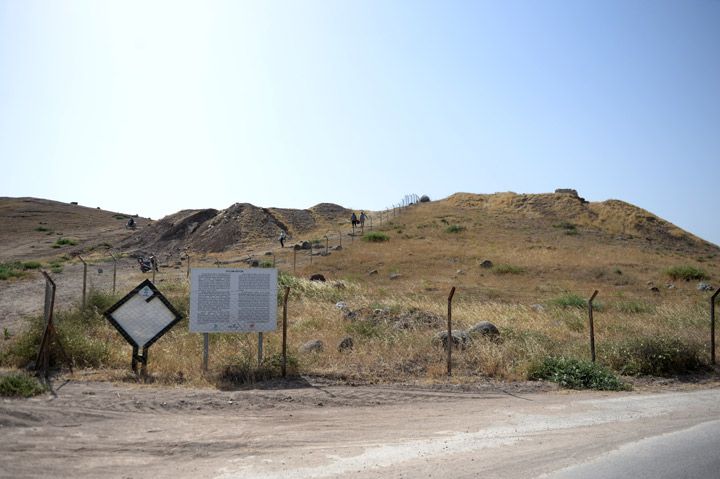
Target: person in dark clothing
[282,238]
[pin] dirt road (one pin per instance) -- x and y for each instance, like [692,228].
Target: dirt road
[308,429]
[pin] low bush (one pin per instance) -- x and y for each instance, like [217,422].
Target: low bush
[655,356]
[686,272]
[20,385]
[65,242]
[454,229]
[375,237]
[575,374]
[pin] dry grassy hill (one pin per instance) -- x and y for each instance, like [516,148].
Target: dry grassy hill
[524,262]
[34,229]
[539,245]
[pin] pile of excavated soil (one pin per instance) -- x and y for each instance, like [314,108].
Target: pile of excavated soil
[240,225]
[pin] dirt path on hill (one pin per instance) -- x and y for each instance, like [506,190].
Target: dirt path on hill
[310,429]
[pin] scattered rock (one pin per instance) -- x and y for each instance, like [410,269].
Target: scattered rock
[338,248]
[372,272]
[655,289]
[424,199]
[395,275]
[341,305]
[317,277]
[539,308]
[484,328]
[268,253]
[460,339]
[314,346]
[487,264]
[460,272]
[346,344]
[704,287]
[670,286]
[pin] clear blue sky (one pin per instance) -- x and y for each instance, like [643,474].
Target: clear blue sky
[152,107]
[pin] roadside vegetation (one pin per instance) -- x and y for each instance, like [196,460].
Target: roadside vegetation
[394,338]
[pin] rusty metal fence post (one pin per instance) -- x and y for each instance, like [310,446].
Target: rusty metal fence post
[284,332]
[592,325]
[114,272]
[712,326]
[449,332]
[84,289]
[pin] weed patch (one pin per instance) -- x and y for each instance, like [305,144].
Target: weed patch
[568,300]
[454,229]
[686,272]
[20,385]
[575,374]
[655,356]
[507,269]
[375,237]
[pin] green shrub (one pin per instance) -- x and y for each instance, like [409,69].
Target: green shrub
[575,374]
[31,265]
[454,229]
[569,300]
[507,269]
[42,229]
[65,241]
[686,272]
[375,237]
[20,385]
[11,270]
[655,356]
[266,264]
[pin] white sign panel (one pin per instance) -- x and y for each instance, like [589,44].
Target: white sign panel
[233,300]
[143,315]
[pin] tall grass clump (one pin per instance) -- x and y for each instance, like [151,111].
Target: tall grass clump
[375,237]
[686,272]
[575,374]
[507,269]
[20,385]
[569,300]
[85,335]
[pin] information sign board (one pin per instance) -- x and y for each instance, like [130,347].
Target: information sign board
[233,300]
[143,315]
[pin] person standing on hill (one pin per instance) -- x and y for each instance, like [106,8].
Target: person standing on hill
[353,220]
[363,217]
[282,238]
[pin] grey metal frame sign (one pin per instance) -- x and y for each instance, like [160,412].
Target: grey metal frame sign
[233,300]
[142,317]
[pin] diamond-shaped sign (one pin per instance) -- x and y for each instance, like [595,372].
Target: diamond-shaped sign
[143,316]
